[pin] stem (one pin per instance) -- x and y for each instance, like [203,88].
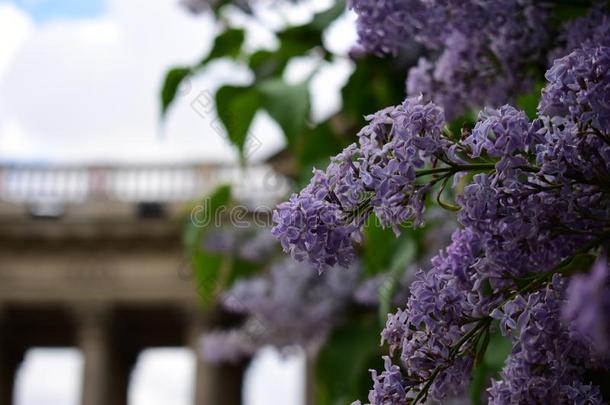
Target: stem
[456,169]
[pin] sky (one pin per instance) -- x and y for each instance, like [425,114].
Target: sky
[79,82]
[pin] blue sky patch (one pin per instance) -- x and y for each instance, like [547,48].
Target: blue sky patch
[45,10]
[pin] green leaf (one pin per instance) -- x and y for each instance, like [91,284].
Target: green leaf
[202,216]
[342,366]
[227,44]
[236,107]
[497,350]
[403,255]
[296,41]
[318,143]
[171,83]
[323,19]
[371,87]
[266,64]
[378,247]
[287,104]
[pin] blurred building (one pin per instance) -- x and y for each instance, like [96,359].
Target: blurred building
[91,257]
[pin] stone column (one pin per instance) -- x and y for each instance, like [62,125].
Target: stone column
[214,384]
[102,383]
[10,358]
[310,378]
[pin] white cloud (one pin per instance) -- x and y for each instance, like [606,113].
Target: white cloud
[87,90]
[15,27]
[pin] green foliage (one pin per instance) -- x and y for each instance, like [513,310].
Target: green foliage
[529,102]
[379,245]
[342,366]
[324,19]
[265,64]
[289,105]
[227,44]
[372,86]
[213,272]
[236,107]
[317,143]
[210,269]
[498,349]
[400,258]
[173,79]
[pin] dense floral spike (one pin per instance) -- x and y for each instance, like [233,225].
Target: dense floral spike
[538,197]
[389,387]
[396,142]
[312,226]
[588,306]
[383,27]
[432,322]
[579,88]
[504,134]
[378,174]
[547,364]
[295,306]
[478,49]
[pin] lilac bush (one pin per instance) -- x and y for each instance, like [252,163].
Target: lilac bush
[533,202]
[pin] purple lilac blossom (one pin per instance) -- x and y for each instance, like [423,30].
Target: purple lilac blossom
[431,322]
[477,50]
[588,306]
[546,200]
[311,225]
[293,306]
[547,364]
[231,346]
[378,175]
[579,89]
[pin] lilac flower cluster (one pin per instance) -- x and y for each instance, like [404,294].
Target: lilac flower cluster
[377,175]
[431,321]
[579,89]
[312,225]
[538,197]
[477,53]
[588,306]
[547,364]
[477,50]
[522,221]
[293,306]
[253,245]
